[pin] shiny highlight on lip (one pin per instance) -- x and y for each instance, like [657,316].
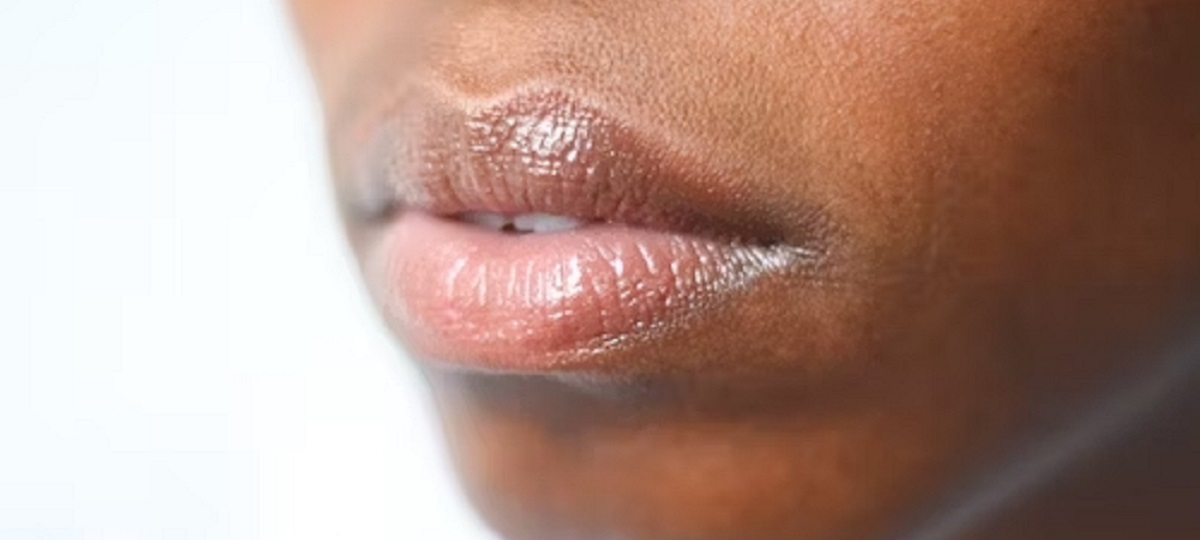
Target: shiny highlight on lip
[626,241]
[546,152]
[511,302]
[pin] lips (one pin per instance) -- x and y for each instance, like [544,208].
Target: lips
[535,233]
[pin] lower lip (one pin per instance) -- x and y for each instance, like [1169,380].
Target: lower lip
[482,299]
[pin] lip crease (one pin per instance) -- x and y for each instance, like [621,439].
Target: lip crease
[658,251]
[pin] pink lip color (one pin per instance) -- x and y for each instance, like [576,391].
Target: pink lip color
[657,252]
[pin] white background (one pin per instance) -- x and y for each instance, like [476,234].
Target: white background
[184,350]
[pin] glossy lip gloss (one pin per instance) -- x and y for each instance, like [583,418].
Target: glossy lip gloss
[620,242]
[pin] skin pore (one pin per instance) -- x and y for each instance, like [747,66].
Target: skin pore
[1008,195]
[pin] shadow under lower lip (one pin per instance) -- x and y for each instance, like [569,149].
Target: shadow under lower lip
[478,298]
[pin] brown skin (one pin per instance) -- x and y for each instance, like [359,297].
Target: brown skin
[1014,187]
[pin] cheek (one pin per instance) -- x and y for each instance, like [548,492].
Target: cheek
[924,102]
[981,128]
[1035,159]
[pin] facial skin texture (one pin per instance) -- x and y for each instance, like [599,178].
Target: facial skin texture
[1013,188]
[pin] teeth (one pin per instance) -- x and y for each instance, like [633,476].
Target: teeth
[522,223]
[487,220]
[544,223]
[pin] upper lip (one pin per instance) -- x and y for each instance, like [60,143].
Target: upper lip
[547,152]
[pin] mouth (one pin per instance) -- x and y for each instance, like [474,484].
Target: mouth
[537,233]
